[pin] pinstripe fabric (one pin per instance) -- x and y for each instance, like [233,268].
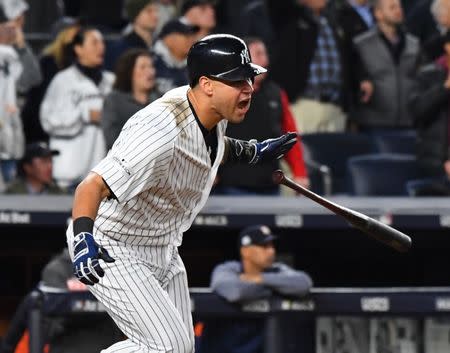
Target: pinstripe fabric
[160,171]
[145,291]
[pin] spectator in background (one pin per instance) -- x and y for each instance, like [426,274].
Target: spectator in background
[14,11]
[71,111]
[19,71]
[143,16]
[63,335]
[12,139]
[269,115]
[310,66]
[433,47]
[200,13]
[133,89]
[354,17]
[246,18]
[75,335]
[170,54]
[55,57]
[35,172]
[430,103]
[255,276]
[420,21]
[167,10]
[389,57]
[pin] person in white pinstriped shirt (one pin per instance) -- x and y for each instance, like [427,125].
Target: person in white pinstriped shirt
[131,211]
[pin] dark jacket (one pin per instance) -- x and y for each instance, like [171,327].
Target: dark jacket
[115,49]
[297,43]
[117,109]
[420,21]
[250,18]
[30,111]
[170,72]
[351,22]
[262,121]
[430,104]
[352,25]
[433,48]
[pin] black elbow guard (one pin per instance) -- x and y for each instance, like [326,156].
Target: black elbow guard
[239,151]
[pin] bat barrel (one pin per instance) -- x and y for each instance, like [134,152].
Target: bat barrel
[380,231]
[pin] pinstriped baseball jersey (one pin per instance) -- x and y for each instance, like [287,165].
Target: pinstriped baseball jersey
[160,172]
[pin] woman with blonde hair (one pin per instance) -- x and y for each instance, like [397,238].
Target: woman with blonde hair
[72,109]
[55,57]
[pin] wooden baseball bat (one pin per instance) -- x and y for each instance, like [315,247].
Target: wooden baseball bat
[380,231]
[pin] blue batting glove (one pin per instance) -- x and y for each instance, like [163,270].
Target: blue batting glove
[87,253]
[273,148]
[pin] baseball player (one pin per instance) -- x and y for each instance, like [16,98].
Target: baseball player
[130,212]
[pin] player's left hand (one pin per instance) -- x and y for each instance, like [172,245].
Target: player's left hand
[273,148]
[87,254]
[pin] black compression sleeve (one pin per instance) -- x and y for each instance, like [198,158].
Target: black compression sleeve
[83,224]
[238,151]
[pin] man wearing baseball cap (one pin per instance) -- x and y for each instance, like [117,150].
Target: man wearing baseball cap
[201,13]
[35,172]
[255,276]
[143,16]
[171,50]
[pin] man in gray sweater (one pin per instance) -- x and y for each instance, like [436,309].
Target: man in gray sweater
[255,276]
[388,58]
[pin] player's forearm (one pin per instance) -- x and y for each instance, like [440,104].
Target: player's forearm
[238,151]
[292,283]
[88,196]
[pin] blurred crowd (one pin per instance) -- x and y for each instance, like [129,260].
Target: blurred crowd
[346,68]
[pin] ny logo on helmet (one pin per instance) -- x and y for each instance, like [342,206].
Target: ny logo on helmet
[245,57]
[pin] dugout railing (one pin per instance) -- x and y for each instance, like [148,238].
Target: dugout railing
[280,314]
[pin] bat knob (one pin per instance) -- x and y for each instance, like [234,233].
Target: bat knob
[278,176]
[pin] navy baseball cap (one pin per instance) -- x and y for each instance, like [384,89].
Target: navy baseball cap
[256,235]
[188,4]
[37,149]
[178,25]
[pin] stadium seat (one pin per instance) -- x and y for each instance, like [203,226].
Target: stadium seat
[382,174]
[428,187]
[402,142]
[326,156]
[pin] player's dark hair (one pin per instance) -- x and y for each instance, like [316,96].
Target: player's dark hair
[124,68]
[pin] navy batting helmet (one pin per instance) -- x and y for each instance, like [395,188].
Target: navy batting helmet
[221,56]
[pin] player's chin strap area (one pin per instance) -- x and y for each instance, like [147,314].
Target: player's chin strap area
[252,151]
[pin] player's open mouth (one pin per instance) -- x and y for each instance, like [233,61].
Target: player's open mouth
[244,104]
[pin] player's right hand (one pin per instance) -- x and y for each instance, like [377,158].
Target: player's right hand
[87,254]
